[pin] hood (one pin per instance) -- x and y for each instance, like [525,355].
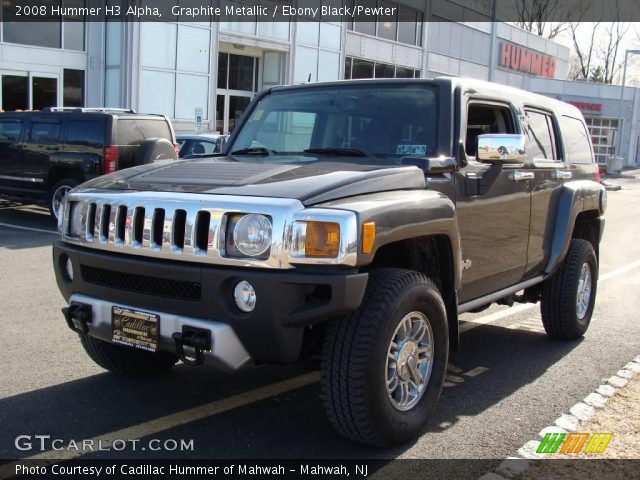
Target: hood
[310,183]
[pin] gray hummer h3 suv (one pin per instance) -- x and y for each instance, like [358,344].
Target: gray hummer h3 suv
[355,220]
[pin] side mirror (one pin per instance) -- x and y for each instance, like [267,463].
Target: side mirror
[501,148]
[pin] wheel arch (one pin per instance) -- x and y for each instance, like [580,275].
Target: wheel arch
[579,215]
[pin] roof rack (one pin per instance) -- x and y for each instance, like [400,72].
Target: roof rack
[83,109]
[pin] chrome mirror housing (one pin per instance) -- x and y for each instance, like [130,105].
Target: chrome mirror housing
[501,148]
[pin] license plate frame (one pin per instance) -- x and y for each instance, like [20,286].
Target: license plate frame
[135,328]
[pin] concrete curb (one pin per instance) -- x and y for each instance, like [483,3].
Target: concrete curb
[516,466]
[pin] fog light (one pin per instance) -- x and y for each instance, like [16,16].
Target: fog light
[68,268]
[245,296]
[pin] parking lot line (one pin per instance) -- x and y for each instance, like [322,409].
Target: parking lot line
[31,229]
[177,419]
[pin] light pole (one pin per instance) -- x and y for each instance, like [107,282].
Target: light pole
[624,75]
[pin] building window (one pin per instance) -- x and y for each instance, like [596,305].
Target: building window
[15,92]
[355,68]
[175,71]
[44,92]
[404,27]
[604,134]
[68,35]
[73,88]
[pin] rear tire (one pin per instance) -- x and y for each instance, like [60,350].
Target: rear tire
[569,295]
[126,360]
[360,362]
[57,193]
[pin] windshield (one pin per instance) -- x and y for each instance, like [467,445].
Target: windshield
[374,123]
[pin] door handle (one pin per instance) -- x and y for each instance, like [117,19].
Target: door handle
[519,176]
[562,174]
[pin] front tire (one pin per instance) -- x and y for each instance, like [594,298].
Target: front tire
[126,360]
[384,364]
[568,296]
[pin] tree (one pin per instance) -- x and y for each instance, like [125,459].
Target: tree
[536,16]
[597,45]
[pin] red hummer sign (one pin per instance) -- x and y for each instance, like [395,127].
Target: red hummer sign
[524,60]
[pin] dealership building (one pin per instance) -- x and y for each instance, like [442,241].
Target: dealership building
[176,68]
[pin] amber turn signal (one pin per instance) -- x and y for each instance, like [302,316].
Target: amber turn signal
[322,239]
[368,236]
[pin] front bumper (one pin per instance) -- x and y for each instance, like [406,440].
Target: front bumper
[200,295]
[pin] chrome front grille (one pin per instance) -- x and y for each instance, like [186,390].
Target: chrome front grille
[191,226]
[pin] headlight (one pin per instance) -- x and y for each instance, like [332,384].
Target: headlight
[76,211]
[248,235]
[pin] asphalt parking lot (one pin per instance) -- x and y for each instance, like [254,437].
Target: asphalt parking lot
[507,382]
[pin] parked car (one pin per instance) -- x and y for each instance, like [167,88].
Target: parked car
[198,145]
[353,220]
[44,154]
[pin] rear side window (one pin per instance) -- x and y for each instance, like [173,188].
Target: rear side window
[85,133]
[540,136]
[10,130]
[44,133]
[135,131]
[576,140]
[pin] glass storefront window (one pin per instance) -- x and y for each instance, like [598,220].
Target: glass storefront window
[44,92]
[402,72]
[405,28]
[407,25]
[384,71]
[223,68]
[73,88]
[388,28]
[358,68]
[50,34]
[241,72]
[362,69]
[74,30]
[15,92]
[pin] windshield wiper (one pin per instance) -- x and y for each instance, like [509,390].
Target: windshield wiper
[254,151]
[343,152]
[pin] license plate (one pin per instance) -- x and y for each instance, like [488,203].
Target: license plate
[135,328]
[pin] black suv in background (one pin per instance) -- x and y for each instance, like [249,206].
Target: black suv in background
[45,154]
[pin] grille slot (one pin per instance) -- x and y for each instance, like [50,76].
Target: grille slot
[104,222]
[120,224]
[157,227]
[203,220]
[138,225]
[91,221]
[177,232]
[159,287]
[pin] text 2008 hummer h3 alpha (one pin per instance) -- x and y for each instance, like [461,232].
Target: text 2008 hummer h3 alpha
[353,219]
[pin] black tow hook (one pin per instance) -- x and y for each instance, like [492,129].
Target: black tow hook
[197,338]
[77,316]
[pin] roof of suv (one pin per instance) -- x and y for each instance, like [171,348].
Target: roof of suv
[114,112]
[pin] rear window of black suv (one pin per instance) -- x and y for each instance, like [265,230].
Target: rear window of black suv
[134,131]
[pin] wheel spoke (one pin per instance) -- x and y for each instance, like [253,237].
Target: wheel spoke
[415,373]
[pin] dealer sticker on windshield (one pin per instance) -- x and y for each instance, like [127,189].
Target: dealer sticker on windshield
[412,150]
